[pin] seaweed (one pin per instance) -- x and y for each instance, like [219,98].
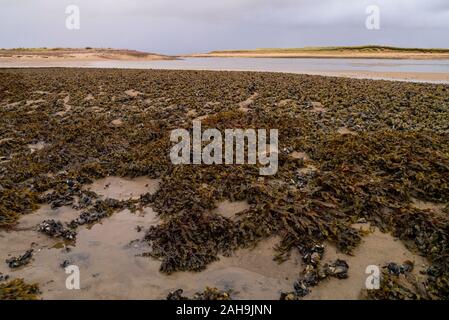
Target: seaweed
[18,290]
[54,228]
[393,149]
[207,294]
[17,262]
[398,283]
[313,273]
[14,202]
[187,251]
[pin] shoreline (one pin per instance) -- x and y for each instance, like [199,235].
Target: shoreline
[416,77]
[321,56]
[77,54]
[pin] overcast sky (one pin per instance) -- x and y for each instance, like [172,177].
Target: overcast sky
[188,26]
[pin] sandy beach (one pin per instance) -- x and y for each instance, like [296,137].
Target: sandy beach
[58,55]
[362,52]
[400,76]
[381,64]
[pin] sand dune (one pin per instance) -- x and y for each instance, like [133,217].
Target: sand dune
[76,54]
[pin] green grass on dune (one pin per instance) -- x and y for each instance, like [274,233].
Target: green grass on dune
[367,49]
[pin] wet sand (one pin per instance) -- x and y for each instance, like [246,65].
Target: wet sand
[108,256]
[429,71]
[377,249]
[123,189]
[431,77]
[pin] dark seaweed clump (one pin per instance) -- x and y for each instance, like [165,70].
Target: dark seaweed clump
[314,272]
[22,260]
[18,290]
[398,283]
[207,294]
[392,153]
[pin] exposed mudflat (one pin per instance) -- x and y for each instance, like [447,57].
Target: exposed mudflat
[108,255]
[86,180]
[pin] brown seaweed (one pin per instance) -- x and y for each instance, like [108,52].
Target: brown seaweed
[17,262]
[207,294]
[396,152]
[18,290]
[398,283]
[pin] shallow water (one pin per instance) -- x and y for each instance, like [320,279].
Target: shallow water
[110,266]
[351,67]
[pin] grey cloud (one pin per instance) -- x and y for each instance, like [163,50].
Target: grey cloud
[181,26]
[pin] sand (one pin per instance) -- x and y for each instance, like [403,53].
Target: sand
[124,189]
[326,54]
[108,255]
[75,54]
[378,75]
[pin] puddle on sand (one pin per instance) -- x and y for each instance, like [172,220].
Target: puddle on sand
[376,249]
[123,188]
[63,214]
[110,268]
[229,209]
[15,243]
[103,253]
[249,273]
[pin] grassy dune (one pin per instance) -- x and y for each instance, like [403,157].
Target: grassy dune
[79,54]
[369,51]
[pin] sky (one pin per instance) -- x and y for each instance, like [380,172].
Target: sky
[193,26]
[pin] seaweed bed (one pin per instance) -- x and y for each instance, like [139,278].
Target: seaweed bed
[375,147]
[18,290]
